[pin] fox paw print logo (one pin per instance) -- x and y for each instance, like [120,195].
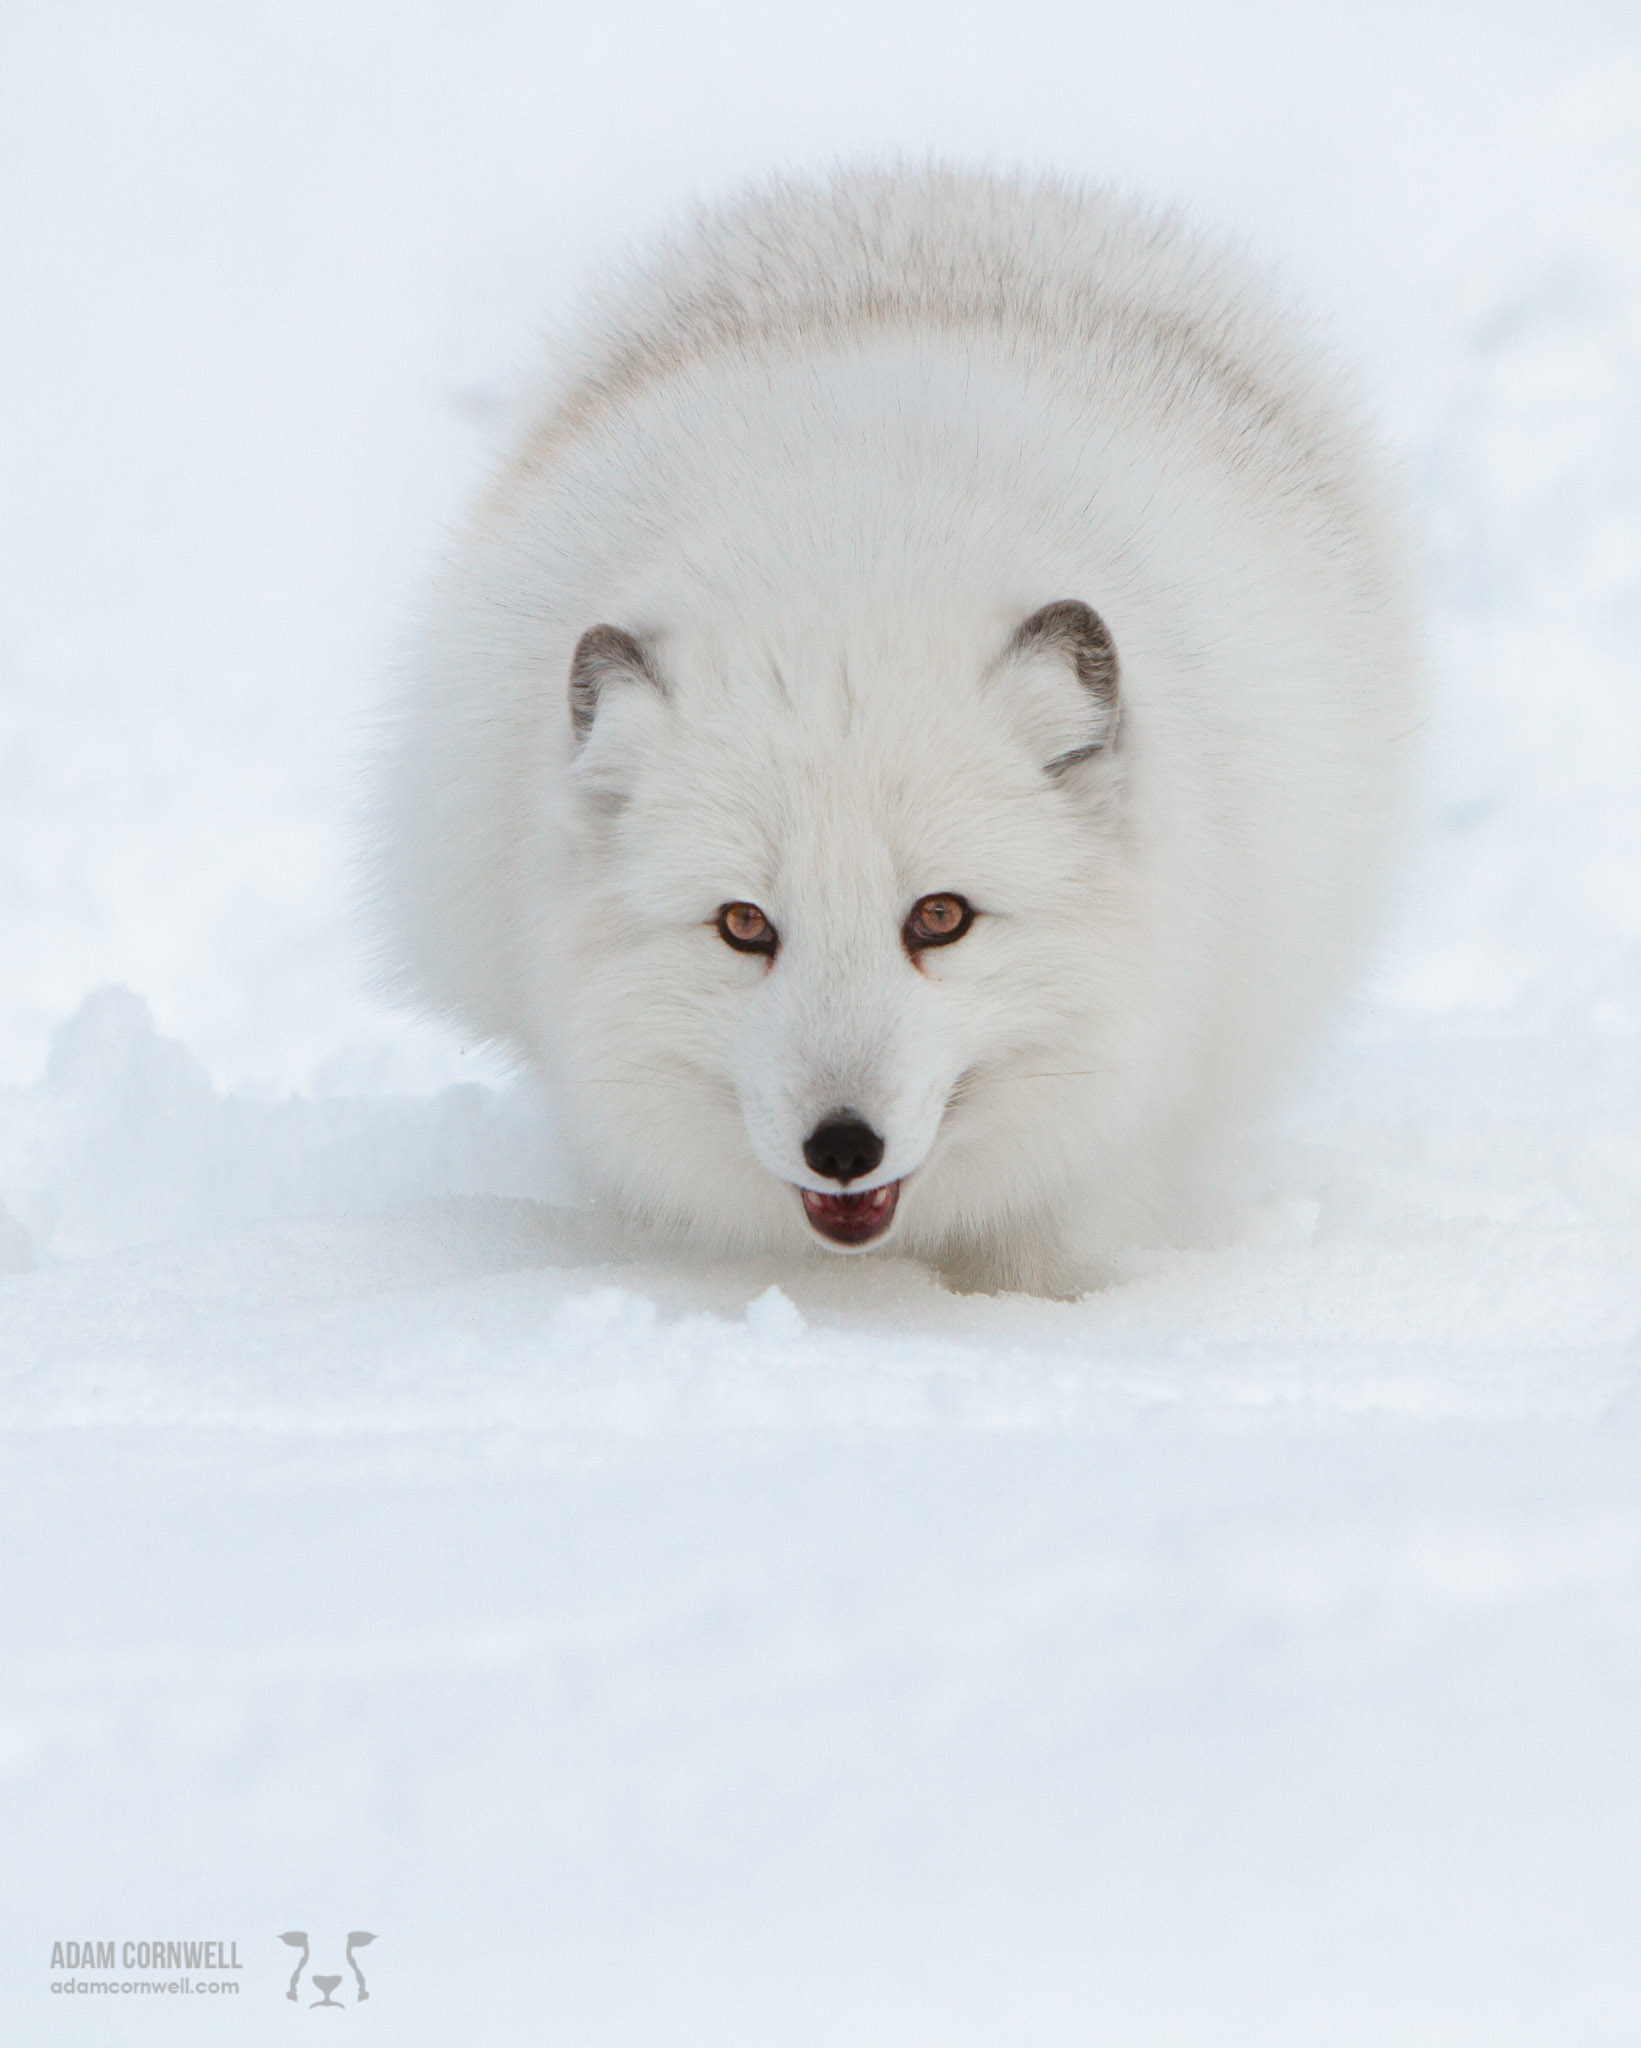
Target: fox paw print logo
[326,1985]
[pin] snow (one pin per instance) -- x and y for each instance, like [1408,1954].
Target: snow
[659,1653]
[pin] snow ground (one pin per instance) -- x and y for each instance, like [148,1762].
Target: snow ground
[663,1655]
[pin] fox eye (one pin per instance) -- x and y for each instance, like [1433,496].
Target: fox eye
[936,921]
[744,926]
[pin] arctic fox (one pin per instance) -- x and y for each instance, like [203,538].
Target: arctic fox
[913,737]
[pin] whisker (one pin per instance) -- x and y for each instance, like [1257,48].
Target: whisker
[1061,1074]
[621,1081]
[654,1077]
[636,1074]
[975,1079]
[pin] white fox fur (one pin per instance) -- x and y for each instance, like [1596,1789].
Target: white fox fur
[816,460]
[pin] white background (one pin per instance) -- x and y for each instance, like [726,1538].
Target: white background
[1248,1655]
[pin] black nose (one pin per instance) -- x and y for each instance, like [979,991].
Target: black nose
[842,1148]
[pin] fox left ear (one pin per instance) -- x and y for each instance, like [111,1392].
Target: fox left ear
[605,655]
[1067,642]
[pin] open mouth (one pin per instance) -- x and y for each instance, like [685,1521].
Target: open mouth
[851,1219]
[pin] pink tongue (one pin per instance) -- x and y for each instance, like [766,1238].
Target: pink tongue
[852,1219]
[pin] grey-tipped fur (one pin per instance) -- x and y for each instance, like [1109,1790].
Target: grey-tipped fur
[601,653]
[831,442]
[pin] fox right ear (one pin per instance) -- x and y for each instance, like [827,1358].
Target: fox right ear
[604,655]
[1062,663]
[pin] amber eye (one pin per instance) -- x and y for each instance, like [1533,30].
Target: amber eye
[744,926]
[936,921]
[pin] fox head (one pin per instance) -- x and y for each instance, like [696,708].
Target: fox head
[840,912]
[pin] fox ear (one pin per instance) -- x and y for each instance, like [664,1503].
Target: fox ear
[605,655]
[1066,643]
